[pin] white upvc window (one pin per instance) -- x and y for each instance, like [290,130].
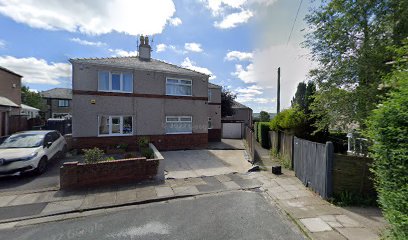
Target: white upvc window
[209,123]
[115,81]
[179,87]
[63,103]
[209,95]
[179,124]
[115,125]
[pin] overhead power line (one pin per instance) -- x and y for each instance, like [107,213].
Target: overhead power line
[293,25]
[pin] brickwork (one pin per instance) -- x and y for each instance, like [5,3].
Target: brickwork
[162,142]
[214,135]
[74,175]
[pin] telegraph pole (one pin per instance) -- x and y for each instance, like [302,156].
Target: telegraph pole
[278,95]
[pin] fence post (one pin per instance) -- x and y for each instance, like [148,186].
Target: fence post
[329,169]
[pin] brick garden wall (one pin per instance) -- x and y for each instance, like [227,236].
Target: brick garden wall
[214,135]
[74,175]
[162,142]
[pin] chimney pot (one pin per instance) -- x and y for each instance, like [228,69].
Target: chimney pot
[144,48]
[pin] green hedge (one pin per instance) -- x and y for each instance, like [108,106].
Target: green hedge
[291,118]
[256,131]
[388,129]
[262,134]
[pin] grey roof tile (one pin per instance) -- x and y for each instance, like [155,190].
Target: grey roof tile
[60,93]
[136,63]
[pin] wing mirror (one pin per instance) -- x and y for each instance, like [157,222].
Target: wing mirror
[48,144]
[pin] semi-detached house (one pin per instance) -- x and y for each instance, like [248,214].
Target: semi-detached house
[117,100]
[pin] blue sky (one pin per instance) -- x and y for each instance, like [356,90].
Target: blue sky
[239,42]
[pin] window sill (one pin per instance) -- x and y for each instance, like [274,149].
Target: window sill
[113,91]
[179,133]
[178,95]
[114,135]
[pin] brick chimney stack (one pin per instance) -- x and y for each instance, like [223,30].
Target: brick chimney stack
[144,48]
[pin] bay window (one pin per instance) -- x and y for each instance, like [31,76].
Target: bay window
[179,124]
[115,81]
[115,125]
[178,87]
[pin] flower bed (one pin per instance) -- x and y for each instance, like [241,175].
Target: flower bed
[74,175]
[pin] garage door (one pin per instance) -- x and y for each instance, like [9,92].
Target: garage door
[231,130]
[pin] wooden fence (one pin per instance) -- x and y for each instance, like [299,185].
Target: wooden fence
[17,123]
[283,144]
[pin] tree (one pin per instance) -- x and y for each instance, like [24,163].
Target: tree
[30,98]
[304,96]
[227,101]
[349,41]
[264,116]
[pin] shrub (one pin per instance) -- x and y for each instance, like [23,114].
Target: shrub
[263,132]
[110,159]
[147,152]
[93,155]
[292,118]
[122,146]
[388,128]
[143,142]
[256,131]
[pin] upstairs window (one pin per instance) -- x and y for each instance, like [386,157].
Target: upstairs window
[63,103]
[115,81]
[178,87]
[209,95]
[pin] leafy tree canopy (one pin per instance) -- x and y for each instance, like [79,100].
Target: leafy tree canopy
[31,98]
[264,116]
[227,101]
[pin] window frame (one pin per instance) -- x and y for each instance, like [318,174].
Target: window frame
[209,95]
[179,121]
[65,101]
[121,81]
[178,84]
[210,126]
[121,117]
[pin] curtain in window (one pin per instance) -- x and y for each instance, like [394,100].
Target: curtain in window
[103,125]
[174,89]
[116,81]
[127,125]
[103,80]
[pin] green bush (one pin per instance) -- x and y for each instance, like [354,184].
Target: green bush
[292,118]
[93,155]
[256,131]
[388,129]
[143,142]
[147,152]
[263,134]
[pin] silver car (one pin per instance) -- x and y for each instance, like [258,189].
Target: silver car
[30,151]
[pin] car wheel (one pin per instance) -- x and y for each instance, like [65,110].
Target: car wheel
[42,165]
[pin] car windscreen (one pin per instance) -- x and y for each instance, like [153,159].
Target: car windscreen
[23,141]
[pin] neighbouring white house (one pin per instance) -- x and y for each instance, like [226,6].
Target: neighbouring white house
[30,112]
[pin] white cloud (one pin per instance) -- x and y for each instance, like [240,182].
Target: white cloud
[122,53]
[91,17]
[2,43]
[193,47]
[234,19]
[253,90]
[175,21]
[247,75]
[87,43]
[187,63]
[161,47]
[240,56]
[36,70]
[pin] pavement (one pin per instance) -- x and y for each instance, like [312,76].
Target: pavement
[229,215]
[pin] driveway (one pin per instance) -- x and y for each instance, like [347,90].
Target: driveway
[206,162]
[33,182]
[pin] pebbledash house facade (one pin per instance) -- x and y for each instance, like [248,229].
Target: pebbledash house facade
[117,100]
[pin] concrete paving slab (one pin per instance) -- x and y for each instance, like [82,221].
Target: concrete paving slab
[231,185]
[25,199]
[358,233]
[53,208]
[5,200]
[304,201]
[146,195]
[345,221]
[328,235]
[164,192]
[126,196]
[315,225]
[24,210]
[313,211]
[206,188]
[190,190]
[249,183]
[300,193]
[223,178]
[8,225]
